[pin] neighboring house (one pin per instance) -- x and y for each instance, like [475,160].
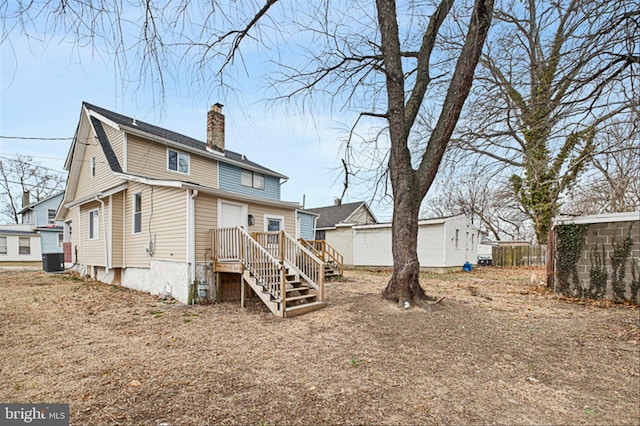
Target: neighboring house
[306,224]
[19,243]
[41,216]
[596,256]
[335,225]
[443,243]
[158,211]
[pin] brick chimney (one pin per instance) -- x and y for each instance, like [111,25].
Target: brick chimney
[26,199]
[215,129]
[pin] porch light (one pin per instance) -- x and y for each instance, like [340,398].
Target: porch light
[251,220]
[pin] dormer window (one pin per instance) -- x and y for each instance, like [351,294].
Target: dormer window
[251,179]
[177,161]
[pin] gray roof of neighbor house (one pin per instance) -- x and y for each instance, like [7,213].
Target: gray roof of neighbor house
[330,216]
[32,205]
[152,130]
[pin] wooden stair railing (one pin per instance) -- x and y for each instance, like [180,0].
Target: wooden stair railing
[269,276]
[329,255]
[295,257]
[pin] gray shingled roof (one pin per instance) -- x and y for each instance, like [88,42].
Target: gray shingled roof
[330,216]
[187,141]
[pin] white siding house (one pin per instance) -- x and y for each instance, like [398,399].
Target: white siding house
[442,243]
[19,243]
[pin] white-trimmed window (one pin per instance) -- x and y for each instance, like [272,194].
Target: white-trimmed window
[60,239]
[93,166]
[24,245]
[51,216]
[137,213]
[177,161]
[93,224]
[252,179]
[457,238]
[3,245]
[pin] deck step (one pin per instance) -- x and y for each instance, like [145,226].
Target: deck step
[301,297]
[293,311]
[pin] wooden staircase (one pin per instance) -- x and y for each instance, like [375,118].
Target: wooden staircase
[287,277]
[299,298]
[333,260]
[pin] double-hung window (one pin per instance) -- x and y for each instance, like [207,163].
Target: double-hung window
[137,213]
[24,245]
[93,224]
[252,179]
[177,161]
[51,216]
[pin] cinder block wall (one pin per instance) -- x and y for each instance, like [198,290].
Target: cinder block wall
[602,271]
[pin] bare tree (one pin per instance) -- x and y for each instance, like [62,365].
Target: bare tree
[613,185]
[489,203]
[554,75]
[376,58]
[24,176]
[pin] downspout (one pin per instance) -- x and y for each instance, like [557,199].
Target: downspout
[104,231]
[191,232]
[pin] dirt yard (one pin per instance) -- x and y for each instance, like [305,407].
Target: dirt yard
[498,349]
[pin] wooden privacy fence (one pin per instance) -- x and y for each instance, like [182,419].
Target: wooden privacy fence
[520,255]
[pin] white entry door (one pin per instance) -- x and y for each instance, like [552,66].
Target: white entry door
[232,214]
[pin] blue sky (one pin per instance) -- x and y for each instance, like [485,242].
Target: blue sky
[42,87]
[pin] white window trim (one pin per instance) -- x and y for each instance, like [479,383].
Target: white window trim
[20,246]
[6,246]
[96,229]
[133,224]
[253,180]
[60,240]
[179,153]
[93,166]
[273,216]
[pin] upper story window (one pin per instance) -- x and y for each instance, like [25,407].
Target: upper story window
[177,161]
[137,213]
[93,166]
[93,225]
[251,179]
[51,216]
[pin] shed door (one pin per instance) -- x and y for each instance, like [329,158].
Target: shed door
[232,215]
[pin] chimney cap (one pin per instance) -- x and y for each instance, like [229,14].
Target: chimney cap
[217,107]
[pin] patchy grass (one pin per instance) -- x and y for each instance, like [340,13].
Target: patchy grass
[498,349]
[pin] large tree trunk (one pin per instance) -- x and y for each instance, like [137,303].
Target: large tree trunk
[411,185]
[404,285]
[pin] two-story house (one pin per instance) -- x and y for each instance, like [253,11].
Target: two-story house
[158,211]
[41,216]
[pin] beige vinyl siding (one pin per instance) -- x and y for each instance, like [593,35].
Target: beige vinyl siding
[147,158]
[361,216]
[92,252]
[206,219]
[117,236]
[341,239]
[104,177]
[258,211]
[135,244]
[164,220]
[116,137]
